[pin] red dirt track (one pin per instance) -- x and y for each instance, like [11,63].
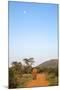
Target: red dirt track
[40,81]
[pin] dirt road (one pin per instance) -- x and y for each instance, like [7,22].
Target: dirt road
[40,81]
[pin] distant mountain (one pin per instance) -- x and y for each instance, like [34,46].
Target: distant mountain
[53,63]
[51,68]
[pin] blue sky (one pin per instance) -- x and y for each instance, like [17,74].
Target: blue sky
[32,31]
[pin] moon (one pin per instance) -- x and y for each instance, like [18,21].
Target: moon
[25,12]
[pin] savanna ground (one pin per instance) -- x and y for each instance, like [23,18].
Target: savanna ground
[39,81]
[28,81]
[42,79]
[21,76]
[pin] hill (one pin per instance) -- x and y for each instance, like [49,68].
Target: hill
[49,64]
[51,68]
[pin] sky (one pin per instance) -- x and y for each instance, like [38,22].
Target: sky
[32,31]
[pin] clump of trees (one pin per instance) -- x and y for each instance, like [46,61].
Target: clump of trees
[15,73]
[52,74]
[28,65]
[17,70]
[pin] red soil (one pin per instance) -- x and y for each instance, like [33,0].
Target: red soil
[40,81]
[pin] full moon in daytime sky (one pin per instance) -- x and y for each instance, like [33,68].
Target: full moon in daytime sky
[24,12]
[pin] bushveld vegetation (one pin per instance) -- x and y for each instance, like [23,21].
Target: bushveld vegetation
[20,74]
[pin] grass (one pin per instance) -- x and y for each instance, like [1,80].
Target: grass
[53,80]
[24,80]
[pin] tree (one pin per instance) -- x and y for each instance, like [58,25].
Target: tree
[15,73]
[28,66]
[29,61]
[14,78]
[26,61]
[14,63]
